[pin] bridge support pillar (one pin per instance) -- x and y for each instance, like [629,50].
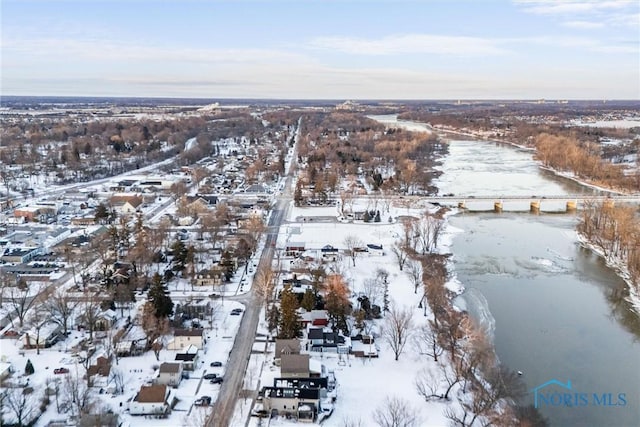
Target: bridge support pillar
[534,206]
[608,204]
[497,206]
[572,205]
[461,205]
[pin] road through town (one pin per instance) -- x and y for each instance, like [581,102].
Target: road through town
[241,352]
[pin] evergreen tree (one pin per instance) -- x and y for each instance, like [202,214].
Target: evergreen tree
[308,300]
[289,324]
[366,217]
[377,217]
[28,369]
[385,297]
[159,298]
[273,318]
[102,213]
[359,320]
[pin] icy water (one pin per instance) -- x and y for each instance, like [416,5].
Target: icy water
[553,309]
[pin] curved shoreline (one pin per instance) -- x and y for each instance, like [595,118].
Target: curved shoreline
[619,266]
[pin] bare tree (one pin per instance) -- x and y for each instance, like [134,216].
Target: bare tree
[414,271]
[427,232]
[90,311]
[372,289]
[38,319]
[352,243]
[349,422]
[264,284]
[22,403]
[400,252]
[395,412]
[77,394]
[428,384]
[116,377]
[60,307]
[22,298]
[426,341]
[397,328]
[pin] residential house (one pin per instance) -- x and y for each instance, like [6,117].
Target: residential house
[106,320]
[314,318]
[329,253]
[83,220]
[294,365]
[170,374]
[47,336]
[126,204]
[188,358]
[301,403]
[294,249]
[5,370]
[152,400]
[124,348]
[290,346]
[184,337]
[101,368]
[211,277]
[363,346]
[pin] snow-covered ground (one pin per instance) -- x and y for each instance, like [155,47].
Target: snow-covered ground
[621,123]
[363,383]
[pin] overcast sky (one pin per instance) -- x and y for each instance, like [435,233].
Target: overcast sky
[323,49]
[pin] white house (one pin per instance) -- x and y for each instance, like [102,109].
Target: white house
[170,374]
[188,358]
[183,338]
[151,400]
[49,334]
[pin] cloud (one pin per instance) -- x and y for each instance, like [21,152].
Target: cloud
[119,51]
[586,14]
[410,43]
[552,7]
[587,25]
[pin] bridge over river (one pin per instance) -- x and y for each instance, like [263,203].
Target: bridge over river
[533,203]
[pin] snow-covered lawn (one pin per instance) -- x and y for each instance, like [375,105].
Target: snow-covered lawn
[363,383]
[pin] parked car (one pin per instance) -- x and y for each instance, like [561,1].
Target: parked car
[210,376]
[203,401]
[215,364]
[61,371]
[216,380]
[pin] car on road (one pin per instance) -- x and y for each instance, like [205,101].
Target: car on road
[216,380]
[215,364]
[210,376]
[61,371]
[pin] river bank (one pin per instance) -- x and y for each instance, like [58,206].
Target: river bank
[550,307]
[619,266]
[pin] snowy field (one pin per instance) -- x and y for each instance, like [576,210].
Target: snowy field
[363,383]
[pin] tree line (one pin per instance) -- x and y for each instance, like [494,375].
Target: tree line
[615,231]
